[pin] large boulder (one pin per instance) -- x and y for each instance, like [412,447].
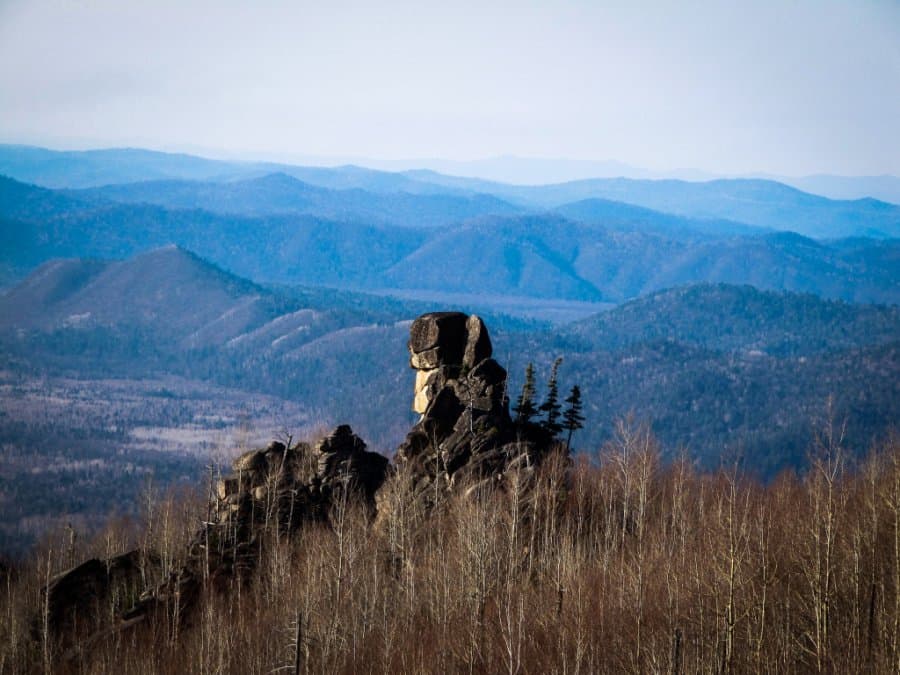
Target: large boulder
[448,339]
[478,342]
[81,600]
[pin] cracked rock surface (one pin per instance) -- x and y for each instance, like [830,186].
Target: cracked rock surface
[461,392]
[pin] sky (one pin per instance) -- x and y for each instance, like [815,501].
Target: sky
[788,87]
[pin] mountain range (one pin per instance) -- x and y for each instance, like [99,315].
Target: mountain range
[703,383]
[277,229]
[758,202]
[92,168]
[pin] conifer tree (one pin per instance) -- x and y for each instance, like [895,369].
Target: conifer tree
[572,417]
[551,404]
[524,407]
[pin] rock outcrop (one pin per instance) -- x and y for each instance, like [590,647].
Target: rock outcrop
[80,598]
[465,437]
[271,492]
[465,432]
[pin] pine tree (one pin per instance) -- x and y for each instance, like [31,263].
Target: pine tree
[524,407]
[572,417]
[551,404]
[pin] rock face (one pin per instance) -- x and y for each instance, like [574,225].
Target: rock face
[271,491]
[78,599]
[342,463]
[300,482]
[465,430]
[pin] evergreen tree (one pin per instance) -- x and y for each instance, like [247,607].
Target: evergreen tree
[572,417]
[524,407]
[551,404]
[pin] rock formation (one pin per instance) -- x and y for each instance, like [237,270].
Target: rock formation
[271,491]
[465,432]
[465,437]
[81,596]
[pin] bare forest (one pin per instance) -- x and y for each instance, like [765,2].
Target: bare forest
[625,564]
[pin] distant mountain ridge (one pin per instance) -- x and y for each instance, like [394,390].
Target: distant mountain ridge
[280,193]
[755,202]
[620,215]
[168,292]
[611,251]
[38,224]
[548,256]
[180,301]
[85,168]
[92,168]
[175,293]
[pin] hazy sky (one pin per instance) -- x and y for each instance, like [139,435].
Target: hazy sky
[782,86]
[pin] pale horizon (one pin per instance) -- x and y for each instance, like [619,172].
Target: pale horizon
[467,167]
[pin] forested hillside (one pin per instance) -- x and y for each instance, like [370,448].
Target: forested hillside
[276,229]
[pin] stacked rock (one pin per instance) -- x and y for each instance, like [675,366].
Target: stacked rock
[460,391]
[297,483]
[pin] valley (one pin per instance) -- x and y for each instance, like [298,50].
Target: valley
[77,451]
